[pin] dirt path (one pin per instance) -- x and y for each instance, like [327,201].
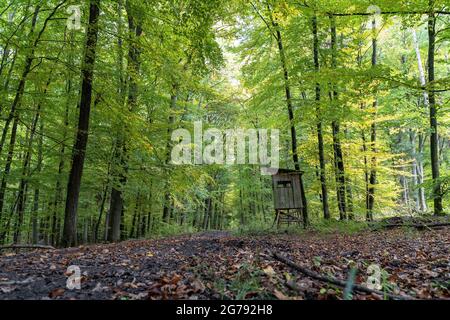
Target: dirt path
[217,265]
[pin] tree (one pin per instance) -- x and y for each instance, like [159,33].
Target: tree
[434,140]
[69,237]
[322,175]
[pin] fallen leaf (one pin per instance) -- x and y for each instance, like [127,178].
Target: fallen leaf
[269,271]
[56,293]
[198,286]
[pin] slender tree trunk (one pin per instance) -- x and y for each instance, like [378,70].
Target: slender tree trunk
[10,71]
[55,224]
[373,138]
[101,210]
[6,229]
[222,212]
[149,214]
[290,109]
[79,149]
[364,143]
[322,175]
[35,212]
[112,223]
[116,211]
[421,175]
[135,218]
[143,225]
[348,190]
[26,172]
[338,154]
[241,202]
[419,157]
[167,196]
[434,138]
[415,171]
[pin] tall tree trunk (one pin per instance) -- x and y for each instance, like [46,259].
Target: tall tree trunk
[167,196]
[112,223]
[79,150]
[348,191]
[101,210]
[373,137]
[26,172]
[116,211]
[290,109]
[364,141]
[419,157]
[338,154]
[322,175]
[134,222]
[207,214]
[149,213]
[414,169]
[421,175]
[58,197]
[102,205]
[434,138]
[35,211]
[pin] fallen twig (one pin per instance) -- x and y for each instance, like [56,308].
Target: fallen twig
[27,246]
[335,281]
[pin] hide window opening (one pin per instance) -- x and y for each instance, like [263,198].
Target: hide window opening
[284,184]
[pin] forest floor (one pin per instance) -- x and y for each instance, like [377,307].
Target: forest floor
[218,265]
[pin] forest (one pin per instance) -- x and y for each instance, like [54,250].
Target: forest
[354,93]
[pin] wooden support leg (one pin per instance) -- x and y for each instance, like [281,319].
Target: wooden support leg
[275,220]
[278,219]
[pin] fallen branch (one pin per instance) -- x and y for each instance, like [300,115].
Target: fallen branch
[335,281]
[27,246]
[418,226]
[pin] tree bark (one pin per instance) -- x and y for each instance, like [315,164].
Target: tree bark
[117,197]
[322,174]
[434,138]
[373,138]
[36,197]
[167,196]
[338,154]
[419,156]
[79,150]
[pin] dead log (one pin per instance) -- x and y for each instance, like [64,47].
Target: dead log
[332,280]
[27,246]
